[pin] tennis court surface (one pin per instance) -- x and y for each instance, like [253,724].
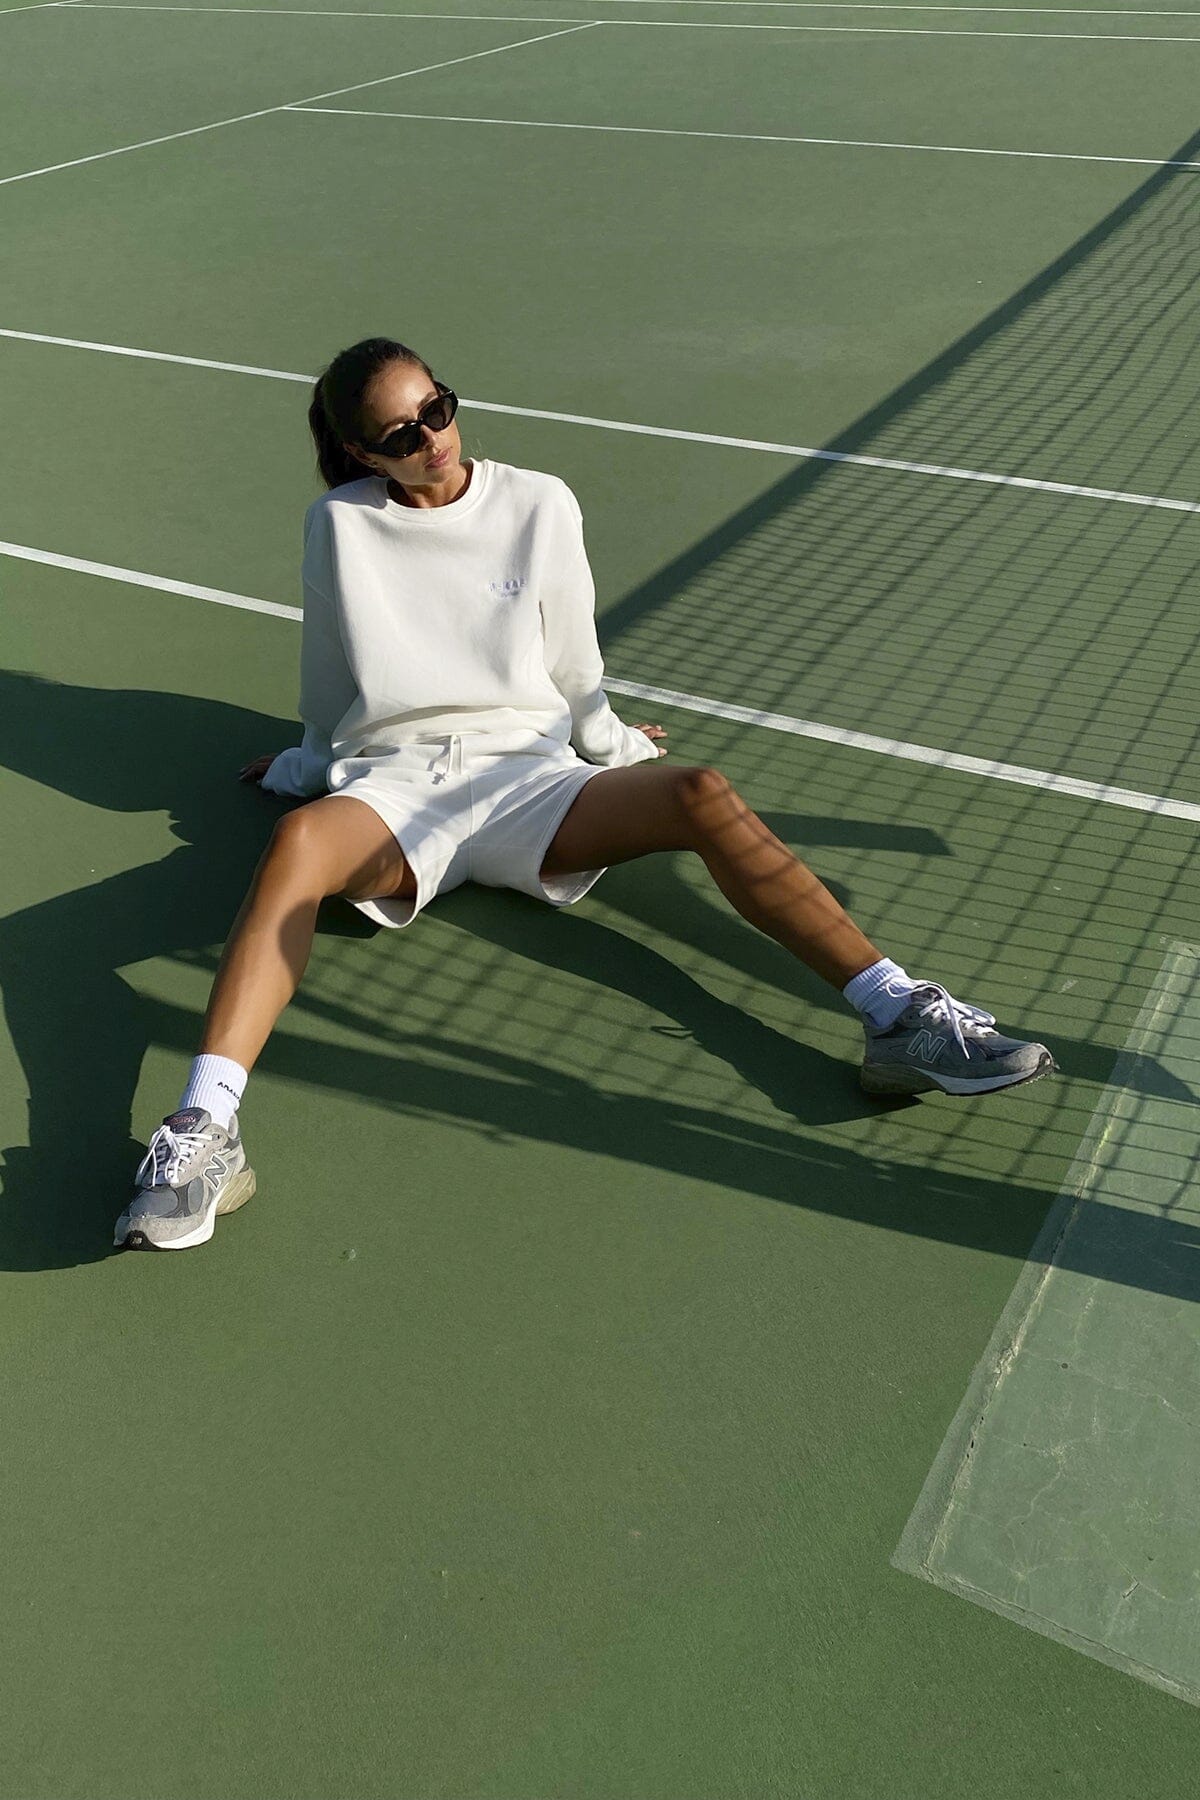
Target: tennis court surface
[601,1396]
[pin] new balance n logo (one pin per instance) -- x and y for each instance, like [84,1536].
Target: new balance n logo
[925,1045]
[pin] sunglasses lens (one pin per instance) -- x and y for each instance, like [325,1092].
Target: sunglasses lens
[438,414]
[401,442]
[407,438]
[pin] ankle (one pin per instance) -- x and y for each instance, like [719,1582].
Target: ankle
[217,1084]
[880,993]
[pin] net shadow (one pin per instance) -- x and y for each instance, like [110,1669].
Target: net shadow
[1032,628]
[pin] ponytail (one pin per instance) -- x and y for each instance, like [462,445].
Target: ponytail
[335,413]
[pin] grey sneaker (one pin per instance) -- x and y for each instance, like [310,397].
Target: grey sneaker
[192,1170]
[939,1042]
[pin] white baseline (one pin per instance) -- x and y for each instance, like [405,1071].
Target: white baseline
[1045,780]
[285,105]
[1090,37]
[804,452]
[1071,12]
[750,137]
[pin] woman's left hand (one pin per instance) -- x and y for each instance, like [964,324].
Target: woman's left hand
[655,732]
[254,771]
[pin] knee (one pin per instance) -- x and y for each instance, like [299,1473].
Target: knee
[702,787]
[294,847]
[293,831]
[706,798]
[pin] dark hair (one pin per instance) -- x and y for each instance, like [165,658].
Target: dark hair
[335,414]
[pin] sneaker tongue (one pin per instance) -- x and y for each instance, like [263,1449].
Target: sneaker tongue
[192,1118]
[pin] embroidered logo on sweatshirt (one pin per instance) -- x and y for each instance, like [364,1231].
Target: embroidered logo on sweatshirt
[512,585]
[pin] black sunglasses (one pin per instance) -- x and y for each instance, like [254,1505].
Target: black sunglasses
[436,414]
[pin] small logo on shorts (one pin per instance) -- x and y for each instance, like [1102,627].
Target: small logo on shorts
[512,585]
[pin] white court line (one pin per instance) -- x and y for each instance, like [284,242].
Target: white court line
[1044,779]
[109,572]
[1090,37]
[804,452]
[266,111]
[749,137]
[1071,12]
[610,24]
[167,356]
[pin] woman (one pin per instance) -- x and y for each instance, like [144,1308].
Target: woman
[456,728]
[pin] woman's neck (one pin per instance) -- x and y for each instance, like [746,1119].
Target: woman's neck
[431,496]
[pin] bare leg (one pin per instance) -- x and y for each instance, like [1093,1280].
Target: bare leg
[626,813]
[330,846]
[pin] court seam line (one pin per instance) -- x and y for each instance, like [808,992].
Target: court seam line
[267,111]
[751,137]
[803,452]
[1044,780]
[1091,37]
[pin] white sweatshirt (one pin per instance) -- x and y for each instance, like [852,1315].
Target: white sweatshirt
[473,618]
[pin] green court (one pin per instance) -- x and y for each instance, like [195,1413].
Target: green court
[602,1396]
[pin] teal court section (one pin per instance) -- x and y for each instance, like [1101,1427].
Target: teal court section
[1065,1496]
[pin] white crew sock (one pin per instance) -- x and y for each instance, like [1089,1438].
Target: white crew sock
[217,1084]
[880,993]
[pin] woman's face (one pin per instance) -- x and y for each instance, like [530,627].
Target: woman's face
[393,398]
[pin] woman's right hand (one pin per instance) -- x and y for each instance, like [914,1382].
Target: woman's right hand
[254,771]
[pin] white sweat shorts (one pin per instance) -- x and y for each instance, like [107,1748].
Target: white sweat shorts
[462,815]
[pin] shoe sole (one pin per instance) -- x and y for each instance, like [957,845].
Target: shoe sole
[239,1190]
[899,1080]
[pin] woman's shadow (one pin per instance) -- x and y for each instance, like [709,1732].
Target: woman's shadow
[81,1032]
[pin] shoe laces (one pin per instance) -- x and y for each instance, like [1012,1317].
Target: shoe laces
[168,1154]
[934,1002]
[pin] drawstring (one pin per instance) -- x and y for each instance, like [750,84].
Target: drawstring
[448,760]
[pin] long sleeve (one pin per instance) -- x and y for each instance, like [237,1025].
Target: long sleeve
[327,690]
[576,667]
